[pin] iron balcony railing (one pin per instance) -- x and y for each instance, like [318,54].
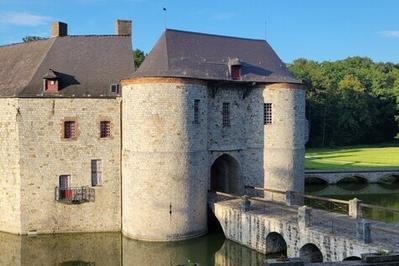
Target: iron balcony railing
[75,195]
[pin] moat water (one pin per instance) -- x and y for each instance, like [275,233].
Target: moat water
[110,249]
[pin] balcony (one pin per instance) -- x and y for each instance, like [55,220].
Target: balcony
[75,195]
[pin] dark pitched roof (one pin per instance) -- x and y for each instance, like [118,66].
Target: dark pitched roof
[50,75]
[85,66]
[205,56]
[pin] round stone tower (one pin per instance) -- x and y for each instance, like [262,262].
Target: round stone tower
[164,164]
[284,138]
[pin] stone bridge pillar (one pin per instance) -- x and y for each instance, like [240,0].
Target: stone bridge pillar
[355,208]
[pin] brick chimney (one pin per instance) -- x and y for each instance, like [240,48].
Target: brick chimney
[123,27]
[59,29]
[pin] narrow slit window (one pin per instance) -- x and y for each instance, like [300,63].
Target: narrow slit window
[105,129]
[267,114]
[69,129]
[96,173]
[226,114]
[196,112]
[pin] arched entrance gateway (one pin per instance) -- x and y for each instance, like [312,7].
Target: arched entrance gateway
[226,176]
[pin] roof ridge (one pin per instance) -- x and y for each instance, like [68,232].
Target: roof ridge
[52,41]
[74,36]
[166,47]
[22,43]
[215,35]
[97,35]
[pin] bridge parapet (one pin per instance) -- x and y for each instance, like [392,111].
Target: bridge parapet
[335,176]
[335,235]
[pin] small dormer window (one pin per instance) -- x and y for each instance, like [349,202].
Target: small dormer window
[115,88]
[235,69]
[236,72]
[51,86]
[50,81]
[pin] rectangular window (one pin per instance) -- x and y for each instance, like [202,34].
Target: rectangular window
[196,112]
[226,114]
[69,129]
[65,192]
[235,72]
[51,85]
[96,173]
[105,129]
[115,88]
[267,113]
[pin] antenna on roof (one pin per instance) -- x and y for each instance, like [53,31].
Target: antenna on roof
[265,30]
[164,16]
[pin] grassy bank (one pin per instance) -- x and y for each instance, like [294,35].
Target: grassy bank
[360,157]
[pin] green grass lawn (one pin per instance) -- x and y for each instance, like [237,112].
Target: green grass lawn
[377,157]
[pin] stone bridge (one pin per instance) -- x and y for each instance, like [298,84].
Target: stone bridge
[333,177]
[312,234]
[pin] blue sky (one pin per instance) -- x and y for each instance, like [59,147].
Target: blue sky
[313,29]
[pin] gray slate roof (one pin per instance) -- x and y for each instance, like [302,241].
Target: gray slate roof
[204,56]
[85,65]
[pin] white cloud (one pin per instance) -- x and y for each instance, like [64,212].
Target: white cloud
[23,19]
[390,33]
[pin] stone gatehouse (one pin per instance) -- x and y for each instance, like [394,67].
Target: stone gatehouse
[89,144]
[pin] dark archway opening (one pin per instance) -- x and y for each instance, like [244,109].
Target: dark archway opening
[389,181]
[225,175]
[275,245]
[353,183]
[314,184]
[352,258]
[310,253]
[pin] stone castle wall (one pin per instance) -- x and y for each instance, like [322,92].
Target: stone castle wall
[44,156]
[167,158]
[243,140]
[164,168]
[10,181]
[284,139]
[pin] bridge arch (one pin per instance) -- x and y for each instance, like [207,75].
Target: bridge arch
[315,183]
[352,179]
[226,175]
[275,243]
[310,253]
[389,179]
[353,182]
[314,179]
[352,258]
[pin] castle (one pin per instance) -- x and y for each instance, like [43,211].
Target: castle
[90,145]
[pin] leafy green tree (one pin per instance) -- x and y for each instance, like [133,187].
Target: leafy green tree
[139,57]
[350,101]
[32,38]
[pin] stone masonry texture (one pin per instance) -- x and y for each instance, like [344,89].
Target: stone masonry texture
[156,166]
[39,155]
[10,179]
[167,158]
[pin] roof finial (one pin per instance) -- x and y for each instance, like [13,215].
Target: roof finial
[165,12]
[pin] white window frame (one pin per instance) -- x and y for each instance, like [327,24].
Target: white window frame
[96,172]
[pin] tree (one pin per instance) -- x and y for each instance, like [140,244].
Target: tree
[351,101]
[32,38]
[139,57]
